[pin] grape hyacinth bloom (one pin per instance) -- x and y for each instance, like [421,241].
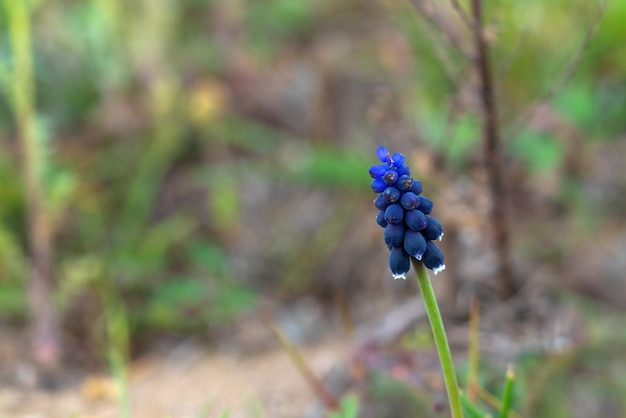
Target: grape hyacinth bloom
[404,213]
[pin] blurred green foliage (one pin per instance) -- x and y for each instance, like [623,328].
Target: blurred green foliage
[349,408]
[150,131]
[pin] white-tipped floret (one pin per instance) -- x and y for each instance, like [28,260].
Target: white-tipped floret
[440,237]
[399,276]
[439,268]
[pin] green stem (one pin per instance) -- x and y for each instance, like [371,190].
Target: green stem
[470,408]
[21,92]
[441,341]
[508,393]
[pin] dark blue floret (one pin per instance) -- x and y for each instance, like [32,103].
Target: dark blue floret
[433,258]
[378,185]
[404,170]
[399,262]
[394,214]
[404,183]
[409,201]
[391,194]
[425,206]
[402,213]
[377,171]
[414,244]
[433,230]
[416,187]
[415,220]
[390,177]
[380,218]
[380,202]
[394,235]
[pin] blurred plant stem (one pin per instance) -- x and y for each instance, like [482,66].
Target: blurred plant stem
[47,350]
[118,342]
[494,402]
[474,351]
[303,367]
[507,395]
[493,156]
[441,340]
[471,408]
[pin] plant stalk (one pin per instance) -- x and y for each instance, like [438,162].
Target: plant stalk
[441,340]
[47,350]
[303,368]
[474,351]
[493,157]
[508,393]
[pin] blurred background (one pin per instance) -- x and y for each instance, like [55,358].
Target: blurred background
[180,180]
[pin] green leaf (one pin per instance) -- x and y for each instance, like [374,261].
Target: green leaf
[349,408]
[541,151]
[577,103]
[464,138]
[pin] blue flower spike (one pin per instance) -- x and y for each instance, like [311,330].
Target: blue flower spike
[409,232]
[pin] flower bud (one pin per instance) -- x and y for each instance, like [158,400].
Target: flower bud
[404,183]
[380,202]
[433,258]
[398,159]
[380,218]
[415,220]
[378,185]
[433,230]
[391,195]
[404,170]
[399,262]
[416,187]
[382,154]
[394,235]
[390,177]
[394,214]
[377,171]
[425,206]
[414,244]
[409,201]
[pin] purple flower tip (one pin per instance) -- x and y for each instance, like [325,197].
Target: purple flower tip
[382,154]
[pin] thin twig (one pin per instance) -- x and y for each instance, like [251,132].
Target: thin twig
[505,65]
[434,24]
[464,17]
[446,62]
[300,363]
[566,74]
[426,11]
[493,157]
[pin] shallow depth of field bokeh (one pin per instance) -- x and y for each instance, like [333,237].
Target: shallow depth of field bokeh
[191,176]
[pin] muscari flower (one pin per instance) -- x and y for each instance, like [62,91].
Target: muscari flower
[404,214]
